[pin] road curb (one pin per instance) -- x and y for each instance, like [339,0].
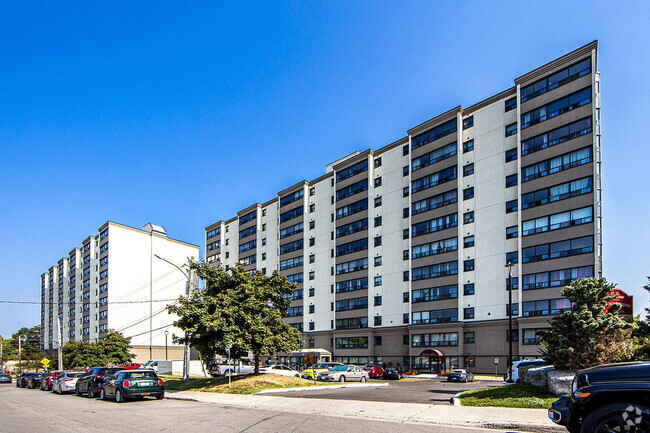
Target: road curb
[455,400]
[318,388]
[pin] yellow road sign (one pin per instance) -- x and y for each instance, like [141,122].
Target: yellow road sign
[45,362]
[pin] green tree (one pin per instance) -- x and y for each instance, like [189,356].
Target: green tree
[237,309]
[587,335]
[113,349]
[641,333]
[30,343]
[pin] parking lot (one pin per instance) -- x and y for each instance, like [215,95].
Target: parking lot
[431,391]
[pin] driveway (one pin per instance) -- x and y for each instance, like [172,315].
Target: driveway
[430,391]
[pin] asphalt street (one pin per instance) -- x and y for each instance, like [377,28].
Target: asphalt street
[430,391]
[33,411]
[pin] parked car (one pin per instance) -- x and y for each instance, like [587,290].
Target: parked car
[523,363]
[460,375]
[393,373]
[607,398]
[21,380]
[48,380]
[92,381]
[5,378]
[66,382]
[34,380]
[282,370]
[125,385]
[236,367]
[314,371]
[344,373]
[159,366]
[130,366]
[374,371]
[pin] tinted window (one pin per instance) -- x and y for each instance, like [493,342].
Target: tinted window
[139,374]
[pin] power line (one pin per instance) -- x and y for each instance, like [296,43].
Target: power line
[81,302]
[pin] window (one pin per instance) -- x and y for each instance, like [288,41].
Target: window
[556,108]
[534,336]
[263,256]
[468,313]
[377,320]
[514,335]
[565,248]
[248,217]
[377,241]
[437,201]
[378,281]
[405,255]
[377,201]
[468,170]
[378,162]
[511,232]
[294,213]
[434,179]
[468,146]
[377,221]
[351,190]
[468,265]
[352,266]
[312,225]
[352,343]
[515,309]
[468,122]
[555,278]
[405,150]
[514,282]
[558,221]
[511,155]
[511,104]
[468,217]
[405,276]
[512,257]
[377,340]
[435,340]
[351,209]
[434,134]
[377,301]
[352,285]
[405,192]
[557,164]
[435,247]
[405,297]
[511,180]
[378,261]
[288,248]
[545,307]
[405,234]
[468,338]
[352,170]
[468,193]
[312,191]
[435,293]
[556,193]
[294,311]
[377,181]
[511,206]
[432,157]
[435,271]
[557,79]
[291,263]
[435,316]
[468,241]
[468,289]
[288,199]
[511,129]
[312,275]
[352,247]
[312,208]
[405,320]
[435,225]
[556,136]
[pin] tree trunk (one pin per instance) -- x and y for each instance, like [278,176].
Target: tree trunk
[257,363]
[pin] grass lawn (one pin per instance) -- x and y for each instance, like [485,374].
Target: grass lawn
[251,384]
[520,395]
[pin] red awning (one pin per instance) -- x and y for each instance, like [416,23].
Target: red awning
[431,352]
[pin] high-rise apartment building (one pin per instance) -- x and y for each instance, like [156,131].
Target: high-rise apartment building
[400,253]
[122,279]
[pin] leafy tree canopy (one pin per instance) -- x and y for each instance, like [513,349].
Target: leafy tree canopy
[113,349]
[587,335]
[237,309]
[30,343]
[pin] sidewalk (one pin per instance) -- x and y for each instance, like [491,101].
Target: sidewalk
[526,420]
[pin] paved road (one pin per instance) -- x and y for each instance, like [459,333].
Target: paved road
[33,411]
[431,391]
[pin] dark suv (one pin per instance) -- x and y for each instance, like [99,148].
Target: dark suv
[93,381]
[607,398]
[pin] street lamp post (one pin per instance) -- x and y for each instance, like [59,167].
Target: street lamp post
[186,351]
[166,334]
[509,266]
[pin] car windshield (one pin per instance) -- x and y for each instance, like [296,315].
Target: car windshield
[4,375]
[320,366]
[75,374]
[140,375]
[339,368]
[458,371]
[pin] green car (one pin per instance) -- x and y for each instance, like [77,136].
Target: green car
[128,384]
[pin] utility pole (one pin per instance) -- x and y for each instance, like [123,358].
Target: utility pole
[186,354]
[2,361]
[59,350]
[509,265]
[151,294]
[20,355]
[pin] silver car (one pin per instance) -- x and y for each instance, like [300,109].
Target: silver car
[66,382]
[343,373]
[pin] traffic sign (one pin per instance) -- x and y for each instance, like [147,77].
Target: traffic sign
[496,361]
[45,362]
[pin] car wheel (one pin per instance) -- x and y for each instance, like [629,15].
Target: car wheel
[119,397]
[30,385]
[161,396]
[102,396]
[297,375]
[76,391]
[342,379]
[623,417]
[363,379]
[227,373]
[91,392]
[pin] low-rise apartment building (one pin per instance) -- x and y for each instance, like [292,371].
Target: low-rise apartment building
[399,254]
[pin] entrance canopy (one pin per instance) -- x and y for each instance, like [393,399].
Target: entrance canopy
[431,353]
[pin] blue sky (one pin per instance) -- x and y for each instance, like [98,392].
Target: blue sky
[173,113]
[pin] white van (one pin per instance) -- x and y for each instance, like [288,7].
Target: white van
[523,363]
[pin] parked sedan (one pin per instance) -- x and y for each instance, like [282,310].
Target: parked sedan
[128,384]
[393,373]
[48,380]
[91,383]
[34,381]
[282,370]
[374,371]
[21,380]
[313,372]
[460,376]
[343,373]
[66,382]
[5,378]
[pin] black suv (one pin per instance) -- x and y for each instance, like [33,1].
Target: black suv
[607,398]
[93,380]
